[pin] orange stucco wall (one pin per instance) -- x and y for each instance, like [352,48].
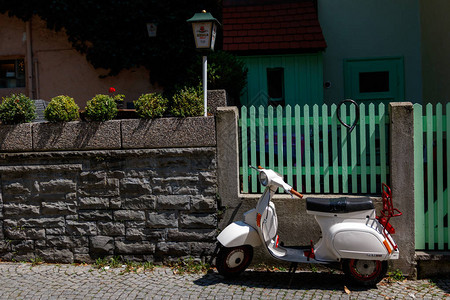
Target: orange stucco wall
[59,69]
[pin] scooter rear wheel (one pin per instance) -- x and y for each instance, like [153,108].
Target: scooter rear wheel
[365,272]
[230,262]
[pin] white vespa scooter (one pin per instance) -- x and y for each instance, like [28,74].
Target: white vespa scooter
[352,234]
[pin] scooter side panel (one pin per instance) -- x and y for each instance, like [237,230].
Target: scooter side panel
[238,234]
[269,222]
[359,242]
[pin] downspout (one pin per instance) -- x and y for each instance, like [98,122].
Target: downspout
[36,79]
[29,61]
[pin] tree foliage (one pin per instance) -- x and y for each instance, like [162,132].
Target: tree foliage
[113,33]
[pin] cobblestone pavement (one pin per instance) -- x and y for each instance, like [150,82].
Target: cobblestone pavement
[24,281]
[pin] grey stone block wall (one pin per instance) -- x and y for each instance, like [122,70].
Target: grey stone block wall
[148,204]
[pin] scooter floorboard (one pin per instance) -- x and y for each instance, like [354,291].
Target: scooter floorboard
[292,254]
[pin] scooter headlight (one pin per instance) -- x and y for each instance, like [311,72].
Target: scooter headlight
[263,179]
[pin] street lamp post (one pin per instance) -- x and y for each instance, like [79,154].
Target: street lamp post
[204,27]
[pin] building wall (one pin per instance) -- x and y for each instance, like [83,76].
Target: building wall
[302,78]
[12,45]
[370,29]
[435,49]
[59,69]
[12,36]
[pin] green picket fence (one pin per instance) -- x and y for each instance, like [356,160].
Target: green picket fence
[313,151]
[431,181]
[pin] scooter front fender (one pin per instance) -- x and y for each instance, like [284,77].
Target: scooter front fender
[238,234]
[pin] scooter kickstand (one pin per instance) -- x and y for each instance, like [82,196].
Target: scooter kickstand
[292,269]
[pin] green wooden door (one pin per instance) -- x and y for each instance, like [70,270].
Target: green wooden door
[375,79]
[301,82]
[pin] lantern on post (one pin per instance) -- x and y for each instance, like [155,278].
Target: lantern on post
[204,28]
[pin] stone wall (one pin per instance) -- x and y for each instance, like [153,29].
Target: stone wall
[147,197]
[139,204]
[142,190]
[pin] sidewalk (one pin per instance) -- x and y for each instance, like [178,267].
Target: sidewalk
[24,281]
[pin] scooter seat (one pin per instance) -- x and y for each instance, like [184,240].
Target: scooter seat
[339,205]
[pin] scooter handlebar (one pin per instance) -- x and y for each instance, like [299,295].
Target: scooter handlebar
[294,192]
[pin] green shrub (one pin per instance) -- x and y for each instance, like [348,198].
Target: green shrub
[188,102]
[150,106]
[225,71]
[17,109]
[62,109]
[119,100]
[101,108]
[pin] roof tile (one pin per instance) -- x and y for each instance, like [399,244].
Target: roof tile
[253,47]
[281,26]
[243,47]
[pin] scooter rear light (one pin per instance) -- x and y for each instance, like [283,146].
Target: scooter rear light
[258,220]
[387,226]
[278,240]
[310,253]
[390,228]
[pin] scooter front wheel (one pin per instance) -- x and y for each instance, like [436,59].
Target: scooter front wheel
[230,262]
[365,272]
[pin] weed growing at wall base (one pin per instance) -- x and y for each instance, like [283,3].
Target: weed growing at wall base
[105,263]
[36,261]
[189,266]
[396,275]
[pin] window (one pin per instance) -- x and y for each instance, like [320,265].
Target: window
[12,73]
[374,82]
[374,79]
[275,86]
